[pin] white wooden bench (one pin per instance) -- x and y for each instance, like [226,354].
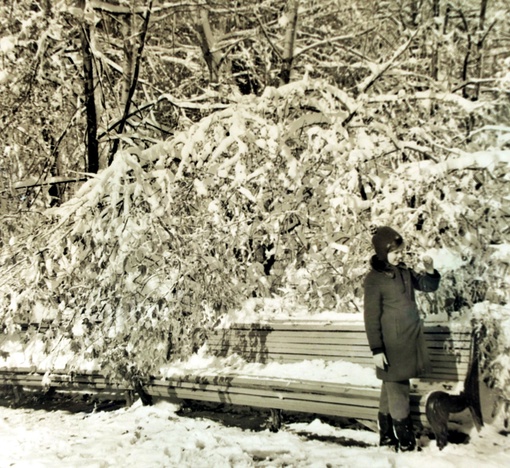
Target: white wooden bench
[287,342]
[293,342]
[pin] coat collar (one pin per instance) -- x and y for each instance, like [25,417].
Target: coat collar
[384,267]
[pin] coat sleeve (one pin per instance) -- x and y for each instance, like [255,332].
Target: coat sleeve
[372,314]
[425,282]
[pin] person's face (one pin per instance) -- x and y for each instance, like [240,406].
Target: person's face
[395,256]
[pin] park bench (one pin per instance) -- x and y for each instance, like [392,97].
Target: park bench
[287,342]
[283,342]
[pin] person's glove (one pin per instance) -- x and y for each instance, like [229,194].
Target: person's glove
[380,360]
[428,263]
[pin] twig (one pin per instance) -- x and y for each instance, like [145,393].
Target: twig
[368,82]
[381,69]
[266,35]
[330,41]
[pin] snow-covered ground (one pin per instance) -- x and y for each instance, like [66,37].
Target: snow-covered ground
[158,437]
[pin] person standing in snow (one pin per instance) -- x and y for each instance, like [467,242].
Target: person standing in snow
[394,331]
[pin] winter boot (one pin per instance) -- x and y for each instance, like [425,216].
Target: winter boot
[405,434]
[386,435]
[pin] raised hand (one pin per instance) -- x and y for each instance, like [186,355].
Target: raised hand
[428,263]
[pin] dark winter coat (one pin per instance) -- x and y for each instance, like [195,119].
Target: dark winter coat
[392,321]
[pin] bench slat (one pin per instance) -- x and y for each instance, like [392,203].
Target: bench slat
[332,337]
[273,340]
[322,349]
[240,380]
[25,377]
[341,396]
[438,362]
[288,404]
[321,327]
[57,380]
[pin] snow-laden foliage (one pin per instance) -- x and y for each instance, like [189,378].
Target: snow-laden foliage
[492,324]
[274,195]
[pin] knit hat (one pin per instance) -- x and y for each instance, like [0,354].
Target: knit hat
[385,239]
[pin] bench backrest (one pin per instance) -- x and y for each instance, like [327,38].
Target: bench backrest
[288,342]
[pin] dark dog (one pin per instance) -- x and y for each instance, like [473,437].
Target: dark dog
[438,408]
[440,404]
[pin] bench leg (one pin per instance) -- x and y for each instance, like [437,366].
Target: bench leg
[129,395]
[17,391]
[275,422]
[144,396]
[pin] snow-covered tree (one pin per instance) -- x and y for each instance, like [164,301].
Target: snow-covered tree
[271,196]
[259,190]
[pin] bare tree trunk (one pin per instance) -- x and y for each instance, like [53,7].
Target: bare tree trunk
[128,31]
[48,12]
[474,53]
[415,12]
[131,81]
[211,57]
[467,57]
[290,38]
[88,89]
[479,46]
[434,63]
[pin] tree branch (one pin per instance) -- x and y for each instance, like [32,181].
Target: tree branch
[266,35]
[205,35]
[383,68]
[331,40]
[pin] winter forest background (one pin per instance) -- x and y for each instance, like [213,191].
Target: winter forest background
[163,162]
